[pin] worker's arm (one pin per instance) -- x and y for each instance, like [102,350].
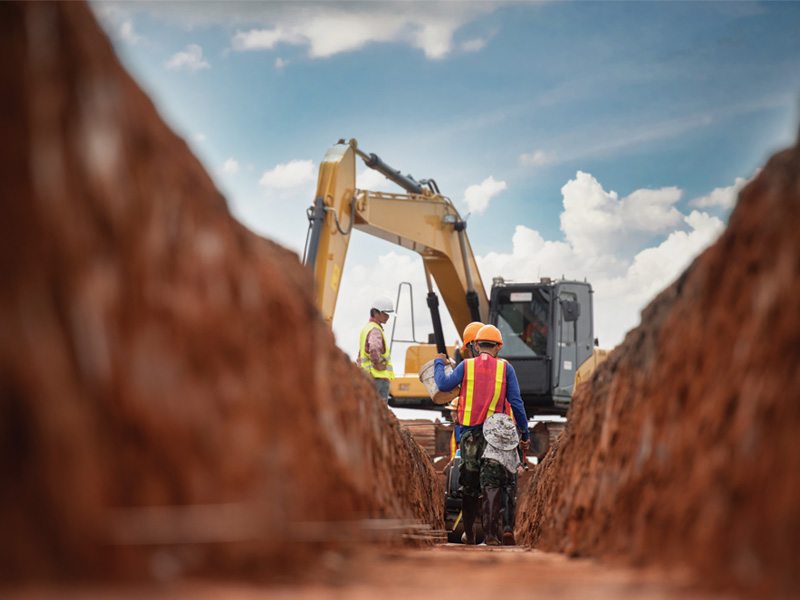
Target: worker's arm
[445,383]
[515,400]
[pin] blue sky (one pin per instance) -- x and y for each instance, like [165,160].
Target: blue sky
[598,140]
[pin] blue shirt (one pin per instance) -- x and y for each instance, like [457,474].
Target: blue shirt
[449,382]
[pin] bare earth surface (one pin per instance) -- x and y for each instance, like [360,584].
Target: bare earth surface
[151,432]
[442,572]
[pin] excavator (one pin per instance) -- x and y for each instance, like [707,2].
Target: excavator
[547,326]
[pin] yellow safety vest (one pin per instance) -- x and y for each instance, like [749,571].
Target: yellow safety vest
[364,360]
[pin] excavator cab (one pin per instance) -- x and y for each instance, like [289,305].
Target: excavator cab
[547,334]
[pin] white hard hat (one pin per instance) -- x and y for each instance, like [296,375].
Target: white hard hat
[383,304]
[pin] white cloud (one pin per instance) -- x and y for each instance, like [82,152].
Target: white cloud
[127,33]
[435,39]
[117,23]
[289,175]
[191,59]
[625,277]
[594,219]
[231,166]
[477,197]
[531,258]
[370,179]
[332,29]
[537,159]
[261,39]
[722,197]
[328,28]
[473,45]
[654,268]
[280,63]
[200,137]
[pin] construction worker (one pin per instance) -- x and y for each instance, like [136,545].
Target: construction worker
[509,489]
[467,351]
[470,331]
[488,384]
[373,355]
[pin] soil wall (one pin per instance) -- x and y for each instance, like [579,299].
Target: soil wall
[171,400]
[684,449]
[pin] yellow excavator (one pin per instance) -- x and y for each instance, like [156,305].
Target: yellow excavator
[547,326]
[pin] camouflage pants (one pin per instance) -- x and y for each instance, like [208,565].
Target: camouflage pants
[474,472]
[382,385]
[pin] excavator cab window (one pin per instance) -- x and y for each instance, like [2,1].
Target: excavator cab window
[523,317]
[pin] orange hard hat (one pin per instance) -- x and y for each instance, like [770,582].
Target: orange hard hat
[470,331]
[489,333]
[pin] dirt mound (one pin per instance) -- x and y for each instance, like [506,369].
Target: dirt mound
[684,449]
[171,400]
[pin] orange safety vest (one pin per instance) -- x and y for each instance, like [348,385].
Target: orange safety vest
[483,389]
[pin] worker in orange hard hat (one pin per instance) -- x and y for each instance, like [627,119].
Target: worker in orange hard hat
[467,351]
[470,331]
[488,385]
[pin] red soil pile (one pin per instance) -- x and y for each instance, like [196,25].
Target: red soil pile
[684,449]
[171,400]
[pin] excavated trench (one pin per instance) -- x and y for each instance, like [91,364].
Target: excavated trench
[173,405]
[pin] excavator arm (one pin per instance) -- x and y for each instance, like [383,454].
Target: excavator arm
[421,220]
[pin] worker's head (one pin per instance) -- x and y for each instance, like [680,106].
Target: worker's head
[470,331]
[489,340]
[380,309]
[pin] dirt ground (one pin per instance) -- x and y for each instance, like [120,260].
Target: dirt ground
[444,572]
[144,407]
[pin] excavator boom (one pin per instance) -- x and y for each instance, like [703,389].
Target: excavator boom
[421,220]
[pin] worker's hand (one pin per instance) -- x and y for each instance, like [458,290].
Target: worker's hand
[379,366]
[441,355]
[525,445]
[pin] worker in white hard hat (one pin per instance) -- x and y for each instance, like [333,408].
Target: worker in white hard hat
[373,355]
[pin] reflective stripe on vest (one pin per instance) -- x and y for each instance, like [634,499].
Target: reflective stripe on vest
[482,389]
[363,357]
